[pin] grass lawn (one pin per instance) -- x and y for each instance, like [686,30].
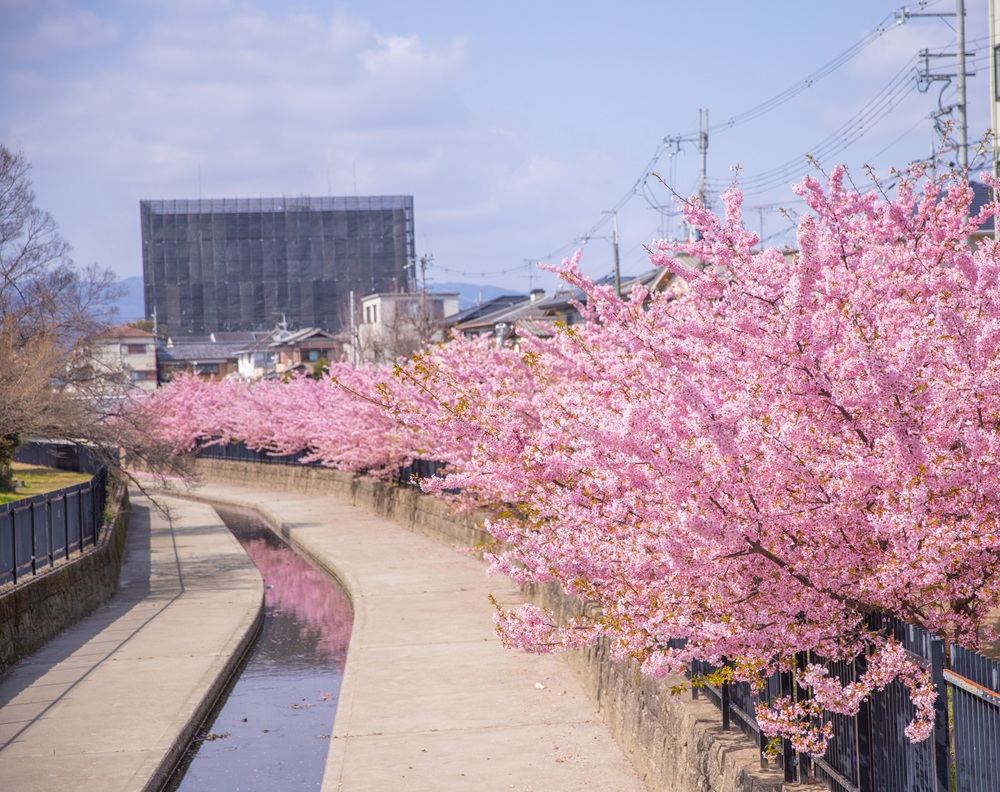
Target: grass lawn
[38,479]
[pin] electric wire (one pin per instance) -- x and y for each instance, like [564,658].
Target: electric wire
[877,108]
[882,105]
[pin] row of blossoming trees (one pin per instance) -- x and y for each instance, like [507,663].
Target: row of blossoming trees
[753,464]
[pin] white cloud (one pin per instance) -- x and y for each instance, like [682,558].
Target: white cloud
[254,103]
[406,57]
[31,39]
[76,29]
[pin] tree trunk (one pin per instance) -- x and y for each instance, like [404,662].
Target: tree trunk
[8,445]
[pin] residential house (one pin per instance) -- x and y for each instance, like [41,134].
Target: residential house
[981,195]
[396,325]
[299,351]
[258,360]
[499,317]
[214,356]
[512,317]
[130,352]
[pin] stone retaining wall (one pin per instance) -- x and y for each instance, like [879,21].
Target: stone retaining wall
[676,744]
[36,609]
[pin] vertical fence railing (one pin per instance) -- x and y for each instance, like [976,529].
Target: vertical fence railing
[408,475]
[239,452]
[974,682]
[899,764]
[870,751]
[37,532]
[59,455]
[841,766]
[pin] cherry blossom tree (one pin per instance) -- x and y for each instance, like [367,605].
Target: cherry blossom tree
[337,420]
[757,464]
[739,471]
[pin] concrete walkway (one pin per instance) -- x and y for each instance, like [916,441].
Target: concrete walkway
[429,700]
[111,703]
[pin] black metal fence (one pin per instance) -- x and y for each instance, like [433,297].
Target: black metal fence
[37,532]
[869,751]
[974,684]
[61,456]
[238,452]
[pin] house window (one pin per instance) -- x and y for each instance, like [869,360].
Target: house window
[135,349]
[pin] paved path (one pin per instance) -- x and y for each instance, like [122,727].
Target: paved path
[429,700]
[108,704]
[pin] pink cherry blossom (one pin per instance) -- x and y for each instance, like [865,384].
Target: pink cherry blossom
[753,461]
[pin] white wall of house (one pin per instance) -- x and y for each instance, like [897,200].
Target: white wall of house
[396,325]
[134,355]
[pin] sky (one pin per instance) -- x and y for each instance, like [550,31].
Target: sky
[523,130]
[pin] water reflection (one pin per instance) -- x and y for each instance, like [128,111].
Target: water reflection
[272,731]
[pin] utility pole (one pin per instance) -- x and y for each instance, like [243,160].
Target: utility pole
[354,340]
[703,152]
[926,78]
[529,265]
[424,261]
[424,330]
[995,97]
[963,116]
[675,141]
[614,246]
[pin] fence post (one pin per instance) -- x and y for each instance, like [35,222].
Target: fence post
[864,734]
[805,763]
[725,697]
[788,758]
[13,545]
[34,544]
[942,749]
[48,533]
[762,741]
[86,515]
[65,525]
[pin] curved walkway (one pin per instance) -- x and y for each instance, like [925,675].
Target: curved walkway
[429,700]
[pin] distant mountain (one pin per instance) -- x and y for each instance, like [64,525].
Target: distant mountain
[131,305]
[470,294]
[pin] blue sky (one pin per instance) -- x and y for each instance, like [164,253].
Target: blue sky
[516,126]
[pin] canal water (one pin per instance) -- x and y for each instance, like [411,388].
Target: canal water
[271,731]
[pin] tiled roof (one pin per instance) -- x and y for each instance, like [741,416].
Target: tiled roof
[489,307]
[202,352]
[124,331]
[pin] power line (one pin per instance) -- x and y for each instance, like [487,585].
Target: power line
[790,93]
[839,140]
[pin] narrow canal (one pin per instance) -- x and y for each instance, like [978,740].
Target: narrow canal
[271,730]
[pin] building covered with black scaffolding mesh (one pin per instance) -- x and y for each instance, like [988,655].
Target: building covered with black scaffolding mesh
[250,263]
